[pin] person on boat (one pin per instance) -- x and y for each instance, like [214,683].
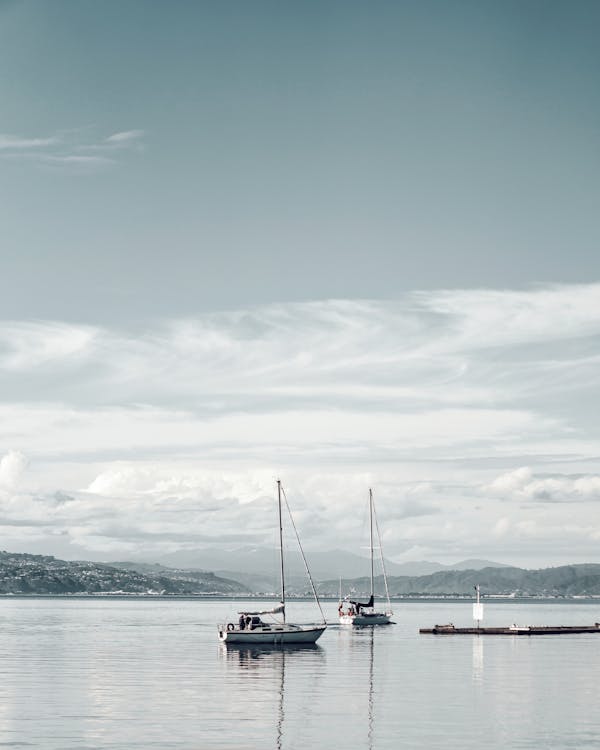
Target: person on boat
[359,606]
[242,622]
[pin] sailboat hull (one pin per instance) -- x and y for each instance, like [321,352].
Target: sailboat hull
[275,636]
[374,618]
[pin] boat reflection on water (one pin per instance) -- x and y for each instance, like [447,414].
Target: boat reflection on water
[250,656]
[267,668]
[359,644]
[371,640]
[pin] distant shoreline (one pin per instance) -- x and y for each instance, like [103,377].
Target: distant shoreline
[228,597]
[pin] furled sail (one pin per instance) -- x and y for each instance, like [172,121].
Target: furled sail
[279,609]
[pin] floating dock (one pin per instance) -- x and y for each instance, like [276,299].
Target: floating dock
[512,630]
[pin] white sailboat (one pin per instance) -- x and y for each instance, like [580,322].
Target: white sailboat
[251,628]
[364,613]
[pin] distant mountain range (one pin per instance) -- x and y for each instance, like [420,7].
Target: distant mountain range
[567,580]
[257,567]
[40,574]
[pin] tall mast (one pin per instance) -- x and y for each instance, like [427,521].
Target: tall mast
[281,546]
[371,534]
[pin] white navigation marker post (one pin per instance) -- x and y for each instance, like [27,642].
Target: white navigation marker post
[477,608]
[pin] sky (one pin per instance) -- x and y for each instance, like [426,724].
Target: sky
[349,245]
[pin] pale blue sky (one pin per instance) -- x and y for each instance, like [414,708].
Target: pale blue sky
[293,151]
[348,244]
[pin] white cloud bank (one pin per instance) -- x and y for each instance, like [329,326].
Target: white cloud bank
[521,484]
[437,399]
[12,466]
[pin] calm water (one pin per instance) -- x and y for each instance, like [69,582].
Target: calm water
[150,674]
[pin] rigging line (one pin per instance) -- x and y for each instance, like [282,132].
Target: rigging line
[387,591]
[312,584]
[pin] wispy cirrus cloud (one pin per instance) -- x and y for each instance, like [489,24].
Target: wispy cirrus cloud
[491,318]
[127,140]
[71,150]
[18,143]
[354,373]
[26,345]
[125,136]
[77,160]
[68,162]
[475,352]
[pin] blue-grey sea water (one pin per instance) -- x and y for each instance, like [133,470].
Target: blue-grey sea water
[149,673]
